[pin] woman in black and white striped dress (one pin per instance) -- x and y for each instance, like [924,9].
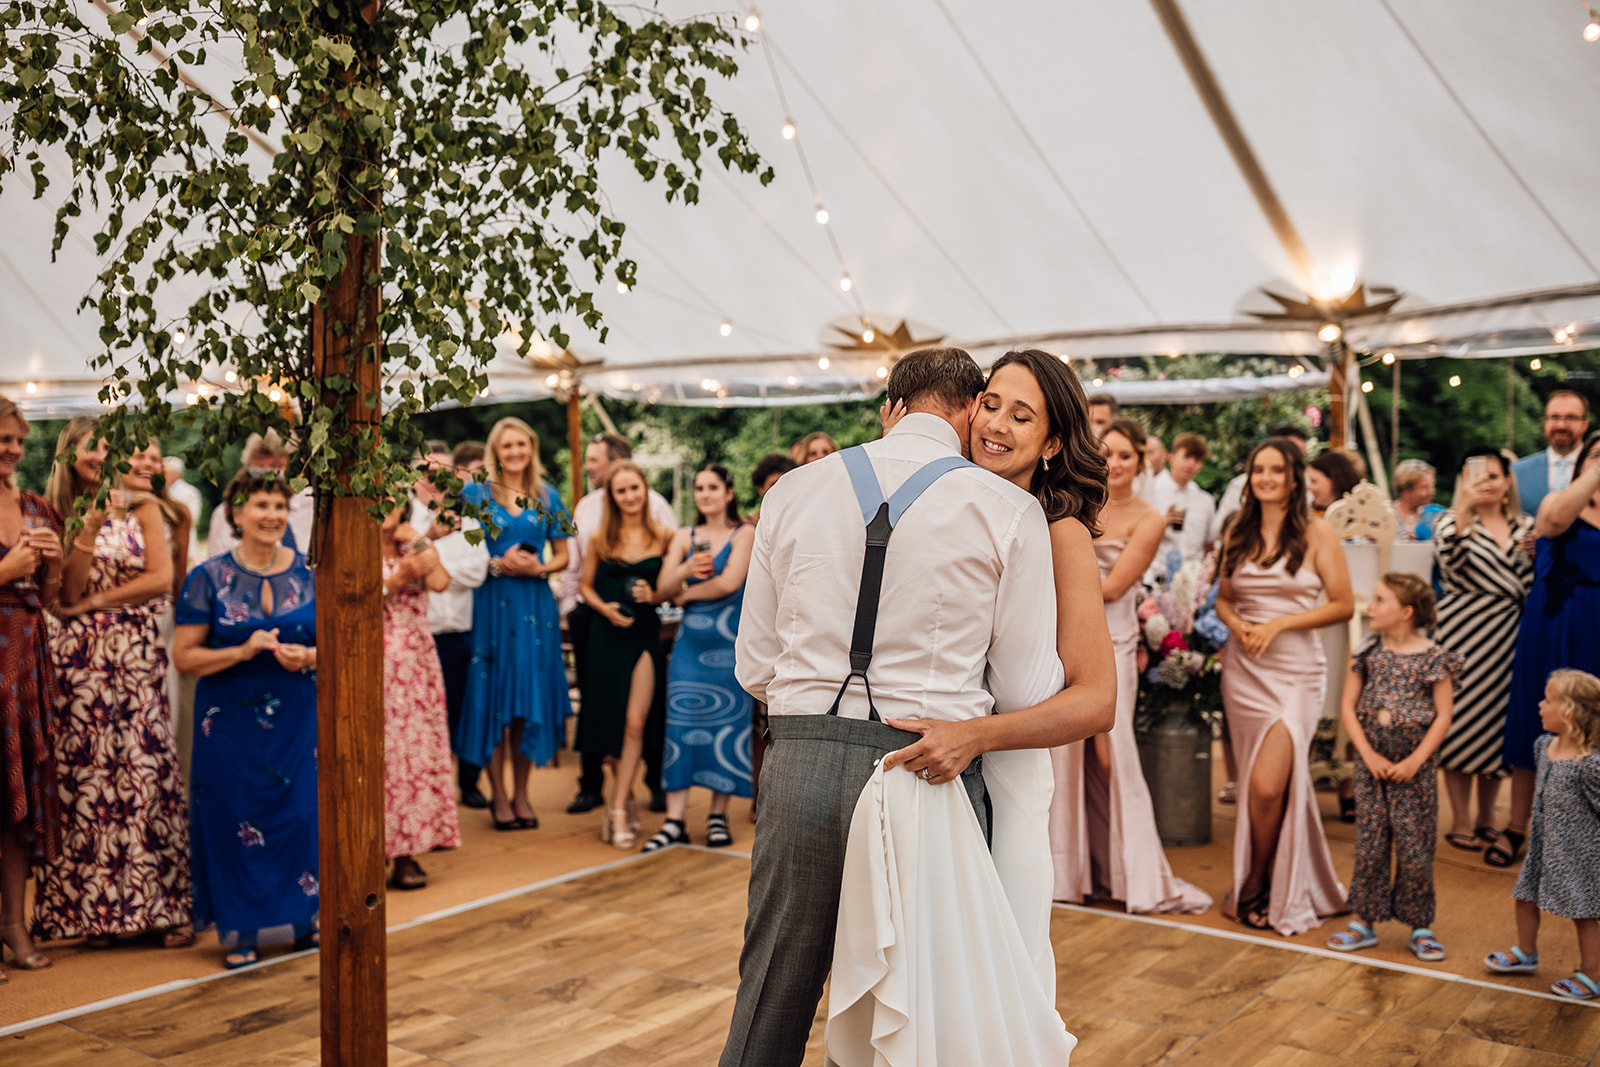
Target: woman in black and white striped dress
[1486,570]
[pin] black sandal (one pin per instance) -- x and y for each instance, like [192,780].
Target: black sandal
[717,832]
[1347,809]
[1487,834]
[1501,856]
[1255,911]
[672,832]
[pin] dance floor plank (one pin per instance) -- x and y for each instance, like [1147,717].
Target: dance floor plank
[636,965]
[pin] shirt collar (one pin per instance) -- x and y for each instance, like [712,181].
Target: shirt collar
[922,424]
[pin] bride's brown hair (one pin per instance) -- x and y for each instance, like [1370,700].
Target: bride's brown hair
[1243,539]
[1074,484]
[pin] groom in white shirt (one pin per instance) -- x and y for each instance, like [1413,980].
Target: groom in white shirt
[966,627]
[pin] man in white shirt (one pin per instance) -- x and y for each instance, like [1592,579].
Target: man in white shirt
[1187,508]
[450,611]
[1566,421]
[1228,506]
[966,627]
[1103,407]
[187,495]
[602,451]
[266,452]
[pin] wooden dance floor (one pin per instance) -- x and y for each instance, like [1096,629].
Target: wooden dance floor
[636,963]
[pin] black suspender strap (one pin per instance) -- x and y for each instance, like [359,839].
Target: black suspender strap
[880,516]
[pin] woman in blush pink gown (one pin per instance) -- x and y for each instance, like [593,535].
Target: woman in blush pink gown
[1277,561]
[1103,837]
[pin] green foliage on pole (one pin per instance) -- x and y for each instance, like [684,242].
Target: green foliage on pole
[468,134]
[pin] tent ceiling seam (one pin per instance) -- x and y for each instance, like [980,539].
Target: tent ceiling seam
[889,187]
[1049,167]
[1233,136]
[1493,147]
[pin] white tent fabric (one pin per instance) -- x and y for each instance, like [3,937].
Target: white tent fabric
[1044,170]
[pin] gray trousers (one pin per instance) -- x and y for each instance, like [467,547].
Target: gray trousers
[815,769]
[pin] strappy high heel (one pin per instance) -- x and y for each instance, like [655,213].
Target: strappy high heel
[618,830]
[34,961]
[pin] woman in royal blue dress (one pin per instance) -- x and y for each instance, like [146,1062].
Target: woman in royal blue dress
[247,627]
[1558,630]
[516,702]
[708,712]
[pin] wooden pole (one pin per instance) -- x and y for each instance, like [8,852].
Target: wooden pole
[1394,421]
[575,441]
[1337,356]
[344,342]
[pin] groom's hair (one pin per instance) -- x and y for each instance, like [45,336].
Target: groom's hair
[945,376]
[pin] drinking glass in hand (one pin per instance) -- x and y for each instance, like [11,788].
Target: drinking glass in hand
[30,523]
[702,558]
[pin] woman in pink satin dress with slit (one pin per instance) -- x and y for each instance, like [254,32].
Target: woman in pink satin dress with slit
[1103,837]
[1277,562]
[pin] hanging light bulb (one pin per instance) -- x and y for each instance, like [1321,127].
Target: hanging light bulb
[275,395]
[1455,380]
[788,129]
[1329,333]
[1388,359]
[1065,358]
[844,282]
[230,376]
[191,399]
[868,335]
[822,215]
[822,364]
[33,387]
[272,102]
[1099,381]
[1561,336]
[1296,370]
[551,381]
[392,173]
[1533,364]
[1591,32]
[883,372]
[1366,387]
[726,328]
[622,287]
[752,21]
[178,336]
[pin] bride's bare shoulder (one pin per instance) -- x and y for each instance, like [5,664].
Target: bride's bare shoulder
[1068,535]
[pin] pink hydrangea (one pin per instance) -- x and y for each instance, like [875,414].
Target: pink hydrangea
[1147,608]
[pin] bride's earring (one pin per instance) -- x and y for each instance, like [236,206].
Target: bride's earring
[1046,461]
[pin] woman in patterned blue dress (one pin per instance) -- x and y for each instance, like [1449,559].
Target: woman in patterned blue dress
[516,700]
[708,713]
[247,627]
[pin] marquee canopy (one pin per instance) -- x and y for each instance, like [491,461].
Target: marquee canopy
[1102,180]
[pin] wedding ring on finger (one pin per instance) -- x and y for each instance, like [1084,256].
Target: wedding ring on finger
[925,774]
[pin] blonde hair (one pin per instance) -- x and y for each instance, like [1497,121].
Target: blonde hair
[505,493]
[1414,593]
[9,410]
[1579,704]
[1409,472]
[64,487]
[606,542]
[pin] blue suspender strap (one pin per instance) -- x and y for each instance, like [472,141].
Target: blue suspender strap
[880,516]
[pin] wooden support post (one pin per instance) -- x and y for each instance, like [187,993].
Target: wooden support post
[1337,356]
[1394,421]
[350,698]
[575,440]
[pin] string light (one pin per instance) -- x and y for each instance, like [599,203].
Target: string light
[1366,387]
[1329,333]
[710,385]
[1099,381]
[1455,380]
[1591,32]
[1065,358]
[788,130]
[1296,370]
[1533,364]
[752,21]
[392,173]
[33,387]
[272,102]
[726,328]
[1388,358]
[822,215]
[822,364]
[844,283]
[868,335]
[1561,335]
[192,399]
[230,376]
[275,395]
[622,287]
[883,372]
[552,381]
[179,336]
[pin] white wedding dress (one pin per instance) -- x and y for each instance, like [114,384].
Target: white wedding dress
[943,951]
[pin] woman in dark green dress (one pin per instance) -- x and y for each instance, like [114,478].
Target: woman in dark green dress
[625,670]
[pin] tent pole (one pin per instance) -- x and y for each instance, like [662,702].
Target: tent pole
[1370,434]
[1337,357]
[1394,421]
[575,440]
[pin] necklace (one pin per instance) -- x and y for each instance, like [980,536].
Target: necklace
[239,559]
[1119,503]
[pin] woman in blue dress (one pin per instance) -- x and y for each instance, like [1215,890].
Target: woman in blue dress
[516,702]
[247,627]
[708,713]
[1558,629]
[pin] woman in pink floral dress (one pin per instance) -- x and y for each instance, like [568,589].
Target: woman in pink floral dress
[124,860]
[419,799]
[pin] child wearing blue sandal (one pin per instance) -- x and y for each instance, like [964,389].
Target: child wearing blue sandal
[1561,874]
[1397,703]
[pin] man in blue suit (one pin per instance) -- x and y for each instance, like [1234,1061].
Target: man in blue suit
[1566,421]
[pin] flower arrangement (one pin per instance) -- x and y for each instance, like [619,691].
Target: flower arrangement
[1180,659]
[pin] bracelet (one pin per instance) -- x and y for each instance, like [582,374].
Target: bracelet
[78,547]
[494,566]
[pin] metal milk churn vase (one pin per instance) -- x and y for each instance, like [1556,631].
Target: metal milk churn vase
[1176,755]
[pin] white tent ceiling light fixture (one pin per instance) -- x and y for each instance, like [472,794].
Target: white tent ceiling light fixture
[1591,32]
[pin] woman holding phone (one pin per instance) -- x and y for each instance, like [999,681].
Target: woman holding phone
[1486,571]
[625,672]
[708,713]
[516,704]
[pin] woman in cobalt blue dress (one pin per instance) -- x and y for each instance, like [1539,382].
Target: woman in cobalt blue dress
[247,627]
[708,712]
[1558,629]
[516,700]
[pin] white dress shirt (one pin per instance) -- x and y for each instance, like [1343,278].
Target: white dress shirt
[450,611]
[967,617]
[586,520]
[189,497]
[302,507]
[1560,469]
[1199,512]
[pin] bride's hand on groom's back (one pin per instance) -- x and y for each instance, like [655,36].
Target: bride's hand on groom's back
[945,749]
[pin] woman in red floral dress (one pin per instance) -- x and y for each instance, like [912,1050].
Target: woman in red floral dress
[419,799]
[124,861]
[30,579]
